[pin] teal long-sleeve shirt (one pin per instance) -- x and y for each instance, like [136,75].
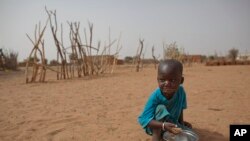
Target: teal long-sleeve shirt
[174,106]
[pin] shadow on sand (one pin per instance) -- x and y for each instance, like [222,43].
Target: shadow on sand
[206,135]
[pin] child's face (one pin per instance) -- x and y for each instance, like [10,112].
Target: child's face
[169,80]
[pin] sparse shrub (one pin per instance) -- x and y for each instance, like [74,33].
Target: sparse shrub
[22,64]
[32,59]
[232,54]
[211,57]
[203,58]
[53,63]
[11,60]
[72,56]
[128,59]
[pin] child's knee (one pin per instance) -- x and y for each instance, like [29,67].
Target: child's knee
[160,108]
[161,112]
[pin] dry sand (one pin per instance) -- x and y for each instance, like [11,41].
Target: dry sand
[106,108]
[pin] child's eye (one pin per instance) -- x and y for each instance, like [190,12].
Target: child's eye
[162,80]
[173,80]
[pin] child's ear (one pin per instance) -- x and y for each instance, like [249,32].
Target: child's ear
[182,80]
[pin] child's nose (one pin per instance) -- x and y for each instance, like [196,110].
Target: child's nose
[166,83]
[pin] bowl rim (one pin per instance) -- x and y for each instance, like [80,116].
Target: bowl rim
[187,133]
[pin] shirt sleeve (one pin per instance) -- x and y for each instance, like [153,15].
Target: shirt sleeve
[148,113]
[184,99]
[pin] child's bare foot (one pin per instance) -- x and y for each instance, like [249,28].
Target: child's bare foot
[189,125]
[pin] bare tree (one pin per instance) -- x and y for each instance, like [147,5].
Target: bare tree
[172,51]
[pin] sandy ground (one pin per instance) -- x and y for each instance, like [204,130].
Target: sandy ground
[106,108]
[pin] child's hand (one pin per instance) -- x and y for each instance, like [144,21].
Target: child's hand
[172,128]
[175,130]
[189,125]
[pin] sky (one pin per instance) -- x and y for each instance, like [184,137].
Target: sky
[201,27]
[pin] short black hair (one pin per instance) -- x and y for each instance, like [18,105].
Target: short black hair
[171,62]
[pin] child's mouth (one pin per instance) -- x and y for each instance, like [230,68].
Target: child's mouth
[168,91]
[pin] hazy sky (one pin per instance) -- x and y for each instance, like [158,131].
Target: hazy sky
[198,26]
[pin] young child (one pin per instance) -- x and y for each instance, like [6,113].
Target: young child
[164,108]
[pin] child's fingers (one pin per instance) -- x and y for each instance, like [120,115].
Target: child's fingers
[168,124]
[175,130]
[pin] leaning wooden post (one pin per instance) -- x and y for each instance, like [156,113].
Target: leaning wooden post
[57,43]
[155,62]
[139,56]
[116,54]
[90,44]
[34,50]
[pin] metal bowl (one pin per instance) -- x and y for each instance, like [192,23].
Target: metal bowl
[185,135]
